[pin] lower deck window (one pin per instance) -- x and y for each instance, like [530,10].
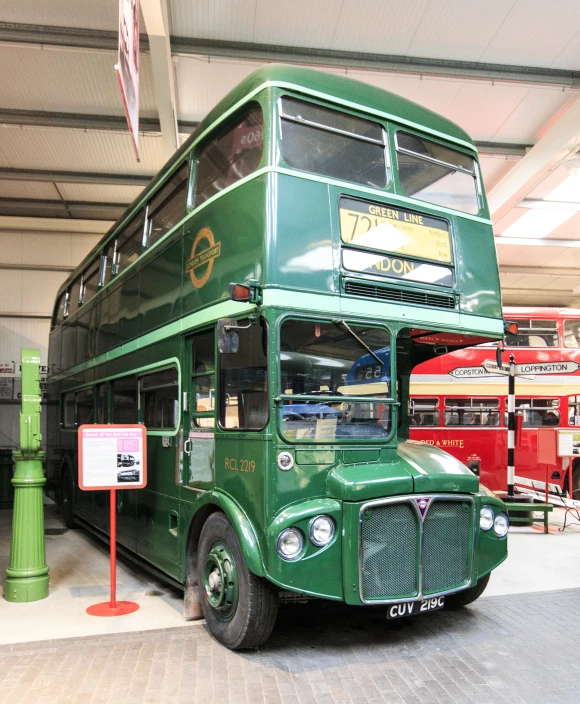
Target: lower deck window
[244,379]
[538,412]
[424,411]
[125,400]
[159,399]
[471,411]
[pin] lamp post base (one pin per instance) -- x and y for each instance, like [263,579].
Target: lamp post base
[105,609]
[21,590]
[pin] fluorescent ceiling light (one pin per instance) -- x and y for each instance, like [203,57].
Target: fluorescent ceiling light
[539,223]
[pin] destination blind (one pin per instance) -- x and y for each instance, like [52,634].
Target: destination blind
[387,229]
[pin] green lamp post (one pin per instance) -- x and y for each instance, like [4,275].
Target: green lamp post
[27,576]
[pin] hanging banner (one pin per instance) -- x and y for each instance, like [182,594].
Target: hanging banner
[127,67]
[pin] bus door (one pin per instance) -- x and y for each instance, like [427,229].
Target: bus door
[158,503]
[198,459]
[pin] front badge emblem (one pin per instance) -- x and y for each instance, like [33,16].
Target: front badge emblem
[422,504]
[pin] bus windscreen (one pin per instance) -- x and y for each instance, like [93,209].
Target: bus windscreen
[326,375]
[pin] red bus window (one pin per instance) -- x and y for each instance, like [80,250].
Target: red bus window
[534,333]
[423,411]
[572,333]
[538,412]
[471,411]
[573,410]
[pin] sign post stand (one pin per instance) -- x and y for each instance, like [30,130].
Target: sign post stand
[111,457]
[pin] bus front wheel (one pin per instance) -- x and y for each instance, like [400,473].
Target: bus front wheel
[467,596]
[239,608]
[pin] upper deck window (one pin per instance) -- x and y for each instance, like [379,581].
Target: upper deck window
[572,333]
[436,174]
[167,207]
[90,281]
[129,242]
[231,156]
[60,308]
[73,297]
[534,333]
[333,143]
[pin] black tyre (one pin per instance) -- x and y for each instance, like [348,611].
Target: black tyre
[467,596]
[239,608]
[67,497]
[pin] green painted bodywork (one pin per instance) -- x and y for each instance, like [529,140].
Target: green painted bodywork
[281,228]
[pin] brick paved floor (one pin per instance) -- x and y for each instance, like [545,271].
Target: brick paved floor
[516,648]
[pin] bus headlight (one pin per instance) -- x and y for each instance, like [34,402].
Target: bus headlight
[501,525]
[321,530]
[285,461]
[290,543]
[486,518]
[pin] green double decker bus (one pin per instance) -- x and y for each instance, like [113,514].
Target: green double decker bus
[260,308]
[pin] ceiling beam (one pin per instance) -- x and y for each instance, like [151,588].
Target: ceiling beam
[560,140]
[32,316]
[55,226]
[80,121]
[9,174]
[61,208]
[502,149]
[157,24]
[11,32]
[37,267]
[552,271]
[527,296]
[114,123]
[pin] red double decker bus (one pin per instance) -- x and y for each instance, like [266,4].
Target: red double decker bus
[459,406]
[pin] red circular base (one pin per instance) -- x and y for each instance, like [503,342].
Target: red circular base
[104,609]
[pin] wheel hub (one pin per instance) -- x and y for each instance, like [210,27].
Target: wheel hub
[221,580]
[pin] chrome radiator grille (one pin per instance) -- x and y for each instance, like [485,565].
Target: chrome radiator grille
[405,557]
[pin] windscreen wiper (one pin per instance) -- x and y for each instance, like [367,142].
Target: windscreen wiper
[352,333]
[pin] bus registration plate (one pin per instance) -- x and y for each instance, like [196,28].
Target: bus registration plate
[412,608]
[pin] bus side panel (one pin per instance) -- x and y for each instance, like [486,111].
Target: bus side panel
[123,311]
[240,470]
[304,253]
[160,288]
[237,228]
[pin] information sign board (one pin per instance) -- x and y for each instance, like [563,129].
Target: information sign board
[112,457]
[568,443]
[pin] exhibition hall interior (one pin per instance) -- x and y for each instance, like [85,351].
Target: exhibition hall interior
[289,352]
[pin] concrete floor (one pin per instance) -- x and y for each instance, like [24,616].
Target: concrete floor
[79,577]
[516,644]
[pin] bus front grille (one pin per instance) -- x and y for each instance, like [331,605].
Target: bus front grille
[417,298]
[390,546]
[403,557]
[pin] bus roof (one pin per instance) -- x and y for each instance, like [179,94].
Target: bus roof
[338,89]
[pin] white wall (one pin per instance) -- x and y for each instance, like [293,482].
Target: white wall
[32,292]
